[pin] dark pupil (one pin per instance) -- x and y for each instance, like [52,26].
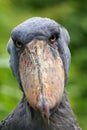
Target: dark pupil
[53,37]
[19,44]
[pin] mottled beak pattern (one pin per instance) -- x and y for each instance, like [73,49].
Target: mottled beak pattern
[42,76]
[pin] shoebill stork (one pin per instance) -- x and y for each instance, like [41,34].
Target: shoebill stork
[40,59]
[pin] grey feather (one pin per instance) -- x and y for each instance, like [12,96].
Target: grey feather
[24,117]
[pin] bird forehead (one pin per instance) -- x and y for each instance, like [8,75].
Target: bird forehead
[38,22]
[36,25]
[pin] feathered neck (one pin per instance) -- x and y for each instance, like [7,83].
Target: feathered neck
[25,118]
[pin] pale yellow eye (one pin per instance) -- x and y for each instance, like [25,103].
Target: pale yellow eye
[53,38]
[19,44]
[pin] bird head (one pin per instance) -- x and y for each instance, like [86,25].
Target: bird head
[40,59]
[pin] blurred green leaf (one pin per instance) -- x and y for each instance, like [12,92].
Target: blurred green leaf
[72,15]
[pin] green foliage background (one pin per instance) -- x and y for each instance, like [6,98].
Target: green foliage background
[72,15]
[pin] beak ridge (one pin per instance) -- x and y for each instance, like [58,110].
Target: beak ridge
[42,76]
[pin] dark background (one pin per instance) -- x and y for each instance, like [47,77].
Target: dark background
[71,14]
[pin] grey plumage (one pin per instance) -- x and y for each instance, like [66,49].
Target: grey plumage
[24,117]
[39,28]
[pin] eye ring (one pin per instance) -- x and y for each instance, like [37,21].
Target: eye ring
[19,44]
[53,38]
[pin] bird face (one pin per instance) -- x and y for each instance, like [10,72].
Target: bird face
[42,76]
[40,62]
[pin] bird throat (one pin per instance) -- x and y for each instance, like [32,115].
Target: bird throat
[42,76]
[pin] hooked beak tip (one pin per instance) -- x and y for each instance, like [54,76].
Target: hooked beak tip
[44,109]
